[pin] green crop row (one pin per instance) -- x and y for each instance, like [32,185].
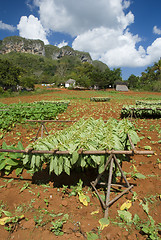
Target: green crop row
[14,113]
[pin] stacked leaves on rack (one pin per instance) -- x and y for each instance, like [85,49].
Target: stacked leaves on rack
[142,109]
[99,99]
[87,134]
[19,112]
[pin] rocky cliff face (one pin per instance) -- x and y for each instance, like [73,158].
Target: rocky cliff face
[19,44]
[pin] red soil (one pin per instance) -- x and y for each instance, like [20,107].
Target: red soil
[31,201]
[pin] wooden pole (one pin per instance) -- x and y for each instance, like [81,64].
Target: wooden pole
[109,187]
[28,120]
[56,151]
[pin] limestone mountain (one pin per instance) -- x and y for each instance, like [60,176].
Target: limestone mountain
[23,45]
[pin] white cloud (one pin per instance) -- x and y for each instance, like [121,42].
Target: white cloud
[8,27]
[126,4]
[154,51]
[113,47]
[62,44]
[75,17]
[117,49]
[31,28]
[156,30]
[101,28]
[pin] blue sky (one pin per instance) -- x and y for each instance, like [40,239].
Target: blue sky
[120,33]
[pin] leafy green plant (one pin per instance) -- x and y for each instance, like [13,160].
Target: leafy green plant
[87,134]
[64,189]
[135,174]
[57,225]
[76,189]
[147,102]
[12,222]
[46,201]
[18,113]
[148,228]
[39,221]
[6,182]
[125,216]
[25,186]
[92,236]
[2,211]
[141,111]
[11,161]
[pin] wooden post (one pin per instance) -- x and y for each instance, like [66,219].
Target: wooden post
[111,160]
[109,187]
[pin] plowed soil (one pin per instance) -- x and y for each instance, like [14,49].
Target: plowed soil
[41,196]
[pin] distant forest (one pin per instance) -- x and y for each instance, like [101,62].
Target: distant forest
[26,70]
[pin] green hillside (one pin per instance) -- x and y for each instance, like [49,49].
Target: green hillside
[27,62]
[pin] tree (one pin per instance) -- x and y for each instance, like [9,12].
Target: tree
[27,82]
[116,74]
[9,74]
[61,69]
[133,81]
[83,74]
[150,78]
[157,69]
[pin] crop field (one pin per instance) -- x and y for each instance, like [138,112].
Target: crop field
[47,170]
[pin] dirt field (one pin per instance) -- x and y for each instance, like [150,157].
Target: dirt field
[44,199]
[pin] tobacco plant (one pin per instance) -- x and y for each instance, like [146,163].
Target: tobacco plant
[18,113]
[87,134]
[12,161]
[141,111]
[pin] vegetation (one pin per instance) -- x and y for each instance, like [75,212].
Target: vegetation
[55,66]
[110,135]
[148,102]
[34,202]
[143,109]
[40,69]
[149,227]
[150,80]
[9,75]
[18,113]
[99,99]
[87,135]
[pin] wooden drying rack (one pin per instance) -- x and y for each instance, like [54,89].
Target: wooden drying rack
[43,127]
[111,161]
[132,112]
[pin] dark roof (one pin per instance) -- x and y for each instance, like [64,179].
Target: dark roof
[70,81]
[120,83]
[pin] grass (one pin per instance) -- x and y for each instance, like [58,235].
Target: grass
[37,91]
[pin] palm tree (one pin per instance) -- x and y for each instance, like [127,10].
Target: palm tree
[157,66]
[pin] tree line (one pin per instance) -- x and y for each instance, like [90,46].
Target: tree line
[26,70]
[150,79]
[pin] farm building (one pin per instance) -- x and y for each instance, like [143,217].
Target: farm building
[70,83]
[121,86]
